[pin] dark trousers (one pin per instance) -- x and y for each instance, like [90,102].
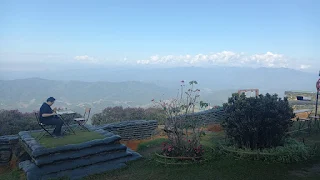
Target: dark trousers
[54,121]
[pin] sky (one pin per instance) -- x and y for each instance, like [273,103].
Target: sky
[41,35]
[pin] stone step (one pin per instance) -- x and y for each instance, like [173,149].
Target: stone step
[74,164]
[36,150]
[69,155]
[94,169]
[79,172]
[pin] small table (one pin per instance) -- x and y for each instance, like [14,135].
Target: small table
[62,112]
[314,117]
[302,111]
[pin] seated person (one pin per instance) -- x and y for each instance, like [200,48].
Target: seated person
[49,116]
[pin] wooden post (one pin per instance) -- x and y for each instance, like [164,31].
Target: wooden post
[317,104]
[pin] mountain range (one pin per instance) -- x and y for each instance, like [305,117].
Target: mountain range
[99,88]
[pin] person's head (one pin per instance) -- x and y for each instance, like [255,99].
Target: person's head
[50,101]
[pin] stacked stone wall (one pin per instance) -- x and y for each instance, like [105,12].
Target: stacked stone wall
[132,130]
[74,161]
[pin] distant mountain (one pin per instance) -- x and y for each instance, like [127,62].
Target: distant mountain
[99,88]
[214,78]
[28,94]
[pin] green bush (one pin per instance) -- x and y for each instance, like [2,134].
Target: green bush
[257,122]
[291,151]
[14,121]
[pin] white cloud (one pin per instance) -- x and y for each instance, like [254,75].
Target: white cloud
[86,58]
[303,66]
[227,58]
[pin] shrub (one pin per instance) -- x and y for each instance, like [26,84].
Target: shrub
[14,121]
[182,128]
[118,114]
[257,122]
[185,150]
[291,151]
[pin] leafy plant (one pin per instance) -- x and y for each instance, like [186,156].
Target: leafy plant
[183,130]
[187,150]
[291,151]
[257,122]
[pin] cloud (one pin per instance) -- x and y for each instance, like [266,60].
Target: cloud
[33,61]
[303,66]
[86,58]
[226,58]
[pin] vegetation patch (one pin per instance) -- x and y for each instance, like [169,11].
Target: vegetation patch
[257,122]
[79,137]
[14,121]
[292,151]
[150,144]
[182,128]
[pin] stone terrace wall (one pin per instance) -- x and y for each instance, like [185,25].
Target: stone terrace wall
[8,148]
[127,130]
[132,130]
[75,161]
[205,117]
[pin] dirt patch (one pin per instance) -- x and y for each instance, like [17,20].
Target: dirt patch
[214,128]
[303,115]
[133,144]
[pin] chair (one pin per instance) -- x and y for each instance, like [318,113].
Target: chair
[83,120]
[42,126]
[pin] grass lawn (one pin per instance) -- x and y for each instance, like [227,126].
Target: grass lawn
[79,137]
[224,169]
[219,168]
[8,174]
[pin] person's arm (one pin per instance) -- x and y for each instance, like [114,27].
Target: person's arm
[47,111]
[48,115]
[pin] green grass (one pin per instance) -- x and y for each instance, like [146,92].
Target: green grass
[79,137]
[10,174]
[225,168]
[150,144]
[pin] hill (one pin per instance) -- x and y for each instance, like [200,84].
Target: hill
[214,78]
[28,94]
[99,88]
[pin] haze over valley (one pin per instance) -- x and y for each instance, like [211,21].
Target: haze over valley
[100,88]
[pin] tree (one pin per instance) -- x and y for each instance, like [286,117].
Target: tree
[182,128]
[257,122]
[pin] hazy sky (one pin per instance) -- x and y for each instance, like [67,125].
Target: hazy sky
[64,34]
